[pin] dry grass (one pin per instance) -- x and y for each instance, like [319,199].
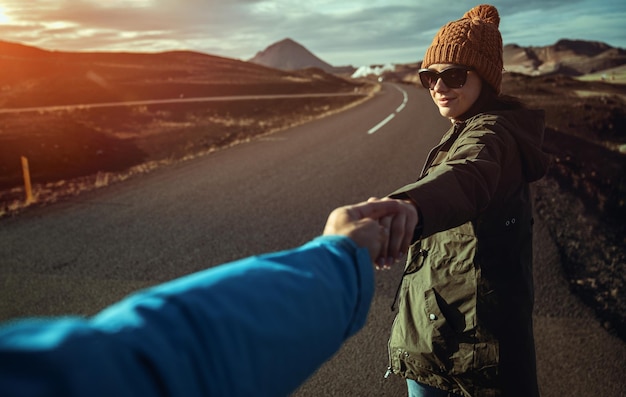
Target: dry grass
[616,76]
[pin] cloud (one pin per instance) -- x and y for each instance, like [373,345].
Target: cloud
[353,32]
[587,20]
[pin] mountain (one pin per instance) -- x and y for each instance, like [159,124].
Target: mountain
[569,57]
[289,55]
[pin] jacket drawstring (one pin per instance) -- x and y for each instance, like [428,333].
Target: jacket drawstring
[395,298]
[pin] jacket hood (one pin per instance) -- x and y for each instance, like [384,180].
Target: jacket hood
[528,126]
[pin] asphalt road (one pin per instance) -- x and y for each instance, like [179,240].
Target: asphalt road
[269,194]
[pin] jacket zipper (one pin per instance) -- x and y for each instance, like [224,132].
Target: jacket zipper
[423,253]
[390,366]
[397,294]
[389,371]
[458,127]
[442,146]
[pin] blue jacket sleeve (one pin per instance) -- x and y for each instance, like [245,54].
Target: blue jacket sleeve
[259,326]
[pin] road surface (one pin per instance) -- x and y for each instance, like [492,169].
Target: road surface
[269,194]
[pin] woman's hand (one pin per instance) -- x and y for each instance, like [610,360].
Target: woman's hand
[384,226]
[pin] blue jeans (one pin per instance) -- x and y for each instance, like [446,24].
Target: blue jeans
[419,390]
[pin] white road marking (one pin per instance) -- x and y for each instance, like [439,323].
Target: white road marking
[392,115]
[382,123]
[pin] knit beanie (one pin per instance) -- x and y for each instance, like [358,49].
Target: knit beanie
[472,41]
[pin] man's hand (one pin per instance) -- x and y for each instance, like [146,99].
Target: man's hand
[385,227]
[401,229]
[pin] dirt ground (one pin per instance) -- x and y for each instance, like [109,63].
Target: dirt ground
[582,198]
[79,149]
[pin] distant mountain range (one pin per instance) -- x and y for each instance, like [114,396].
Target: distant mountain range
[570,57]
[38,77]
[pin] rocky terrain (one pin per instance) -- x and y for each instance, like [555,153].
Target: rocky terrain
[74,149]
[583,198]
[568,57]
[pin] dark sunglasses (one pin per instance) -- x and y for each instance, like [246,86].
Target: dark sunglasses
[453,77]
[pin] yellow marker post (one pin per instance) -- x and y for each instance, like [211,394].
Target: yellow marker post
[27,185]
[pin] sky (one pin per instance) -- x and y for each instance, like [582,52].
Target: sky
[340,32]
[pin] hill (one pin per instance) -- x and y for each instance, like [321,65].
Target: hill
[290,55]
[568,57]
[35,77]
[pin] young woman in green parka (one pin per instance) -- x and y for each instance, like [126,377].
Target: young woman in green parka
[464,322]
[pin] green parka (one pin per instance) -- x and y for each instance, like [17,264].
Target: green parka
[465,304]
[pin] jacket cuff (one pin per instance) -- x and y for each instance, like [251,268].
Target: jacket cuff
[419,228]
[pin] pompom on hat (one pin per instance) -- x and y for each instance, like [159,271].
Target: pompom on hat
[472,41]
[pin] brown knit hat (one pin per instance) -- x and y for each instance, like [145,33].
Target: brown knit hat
[472,41]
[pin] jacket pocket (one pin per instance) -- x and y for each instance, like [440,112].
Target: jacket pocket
[446,325]
[457,346]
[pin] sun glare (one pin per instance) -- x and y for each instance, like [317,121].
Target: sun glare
[4,18]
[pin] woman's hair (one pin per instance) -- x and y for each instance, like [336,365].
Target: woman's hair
[490,100]
[505,102]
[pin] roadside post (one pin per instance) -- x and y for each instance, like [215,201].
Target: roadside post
[27,185]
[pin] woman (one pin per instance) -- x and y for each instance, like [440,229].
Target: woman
[464,322]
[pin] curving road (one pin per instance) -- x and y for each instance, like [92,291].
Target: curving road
[270,194]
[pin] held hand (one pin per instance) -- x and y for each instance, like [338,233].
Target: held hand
[401,228]
[363,223]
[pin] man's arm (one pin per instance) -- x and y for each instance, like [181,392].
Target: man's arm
[258,326]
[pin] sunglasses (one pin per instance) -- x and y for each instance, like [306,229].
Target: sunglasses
[453,77]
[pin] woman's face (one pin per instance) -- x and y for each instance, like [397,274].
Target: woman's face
[453,102]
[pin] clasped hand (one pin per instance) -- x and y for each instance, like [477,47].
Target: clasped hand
[384,226]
